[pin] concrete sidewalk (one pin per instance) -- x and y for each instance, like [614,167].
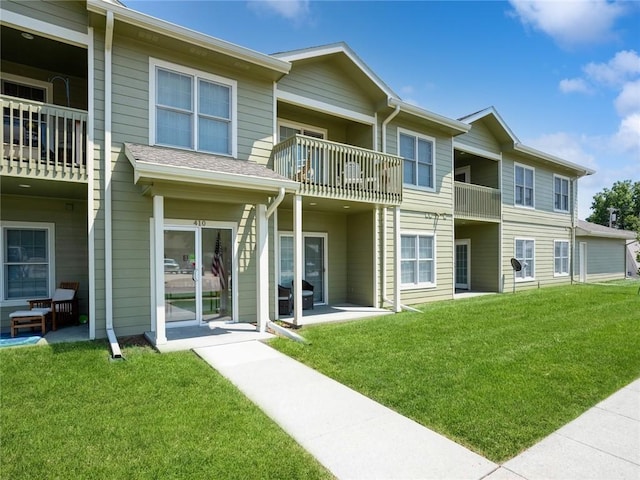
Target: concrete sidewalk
[350,434]
[357,438]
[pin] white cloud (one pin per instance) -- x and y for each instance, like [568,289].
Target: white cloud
[627,139]
[570,85]
[628,102]
[571,23]
[623,66]
[296,10]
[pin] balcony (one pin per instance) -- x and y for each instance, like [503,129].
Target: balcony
[43,141]
[339,171]
[475,202]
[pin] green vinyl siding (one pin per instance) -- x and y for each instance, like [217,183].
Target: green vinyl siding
[606,258]
[484,172]
[481,138]
[324,82]
[484,254]
[67,14]
[360,248]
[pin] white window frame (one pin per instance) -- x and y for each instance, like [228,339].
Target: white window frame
[533,188]
[515,249]
[50,227]
[196,75]
[419,136]
[30,82]
[568,257]
[302,127]
[416,235]
[565,179]
[325,273]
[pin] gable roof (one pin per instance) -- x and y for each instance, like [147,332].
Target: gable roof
[506,136]
[337,49]
[589,229]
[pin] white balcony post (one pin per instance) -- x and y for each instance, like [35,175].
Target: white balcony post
[297,259]
[158,255]
[262,270]
[396,260]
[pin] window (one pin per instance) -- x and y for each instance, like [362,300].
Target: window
[417,152]
[561,257]
[560,194]
[417,260]
[192,110]
[525,254]
[27,261]
[523,186]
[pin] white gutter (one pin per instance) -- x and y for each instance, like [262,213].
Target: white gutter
[276,201]
[108,240]
[579,169]
[455,126]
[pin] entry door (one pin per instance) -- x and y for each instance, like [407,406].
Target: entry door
[463,264]
[197,275]
[314,258]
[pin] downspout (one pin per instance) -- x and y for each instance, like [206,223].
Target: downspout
[574,181]
[271,209]
[276,202]
[383,270]
[108,240]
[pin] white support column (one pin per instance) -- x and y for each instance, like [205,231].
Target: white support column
[376,258]
[158,255]
[297,259]
[262,267]
[396,260]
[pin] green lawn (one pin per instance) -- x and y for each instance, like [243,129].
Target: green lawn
[68,412]
[496,373]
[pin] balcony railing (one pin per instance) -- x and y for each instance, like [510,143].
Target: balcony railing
[477,202]
[43,140]
[335,170]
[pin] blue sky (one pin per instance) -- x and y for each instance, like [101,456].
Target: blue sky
[564,75]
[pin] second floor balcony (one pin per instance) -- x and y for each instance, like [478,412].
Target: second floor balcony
[339,171]
[41,140]
[476,202]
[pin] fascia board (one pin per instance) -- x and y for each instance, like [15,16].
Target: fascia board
[476,151]
[537,154]
[141,20]
[623,235]
[494,113]
[456,126]
[190,175]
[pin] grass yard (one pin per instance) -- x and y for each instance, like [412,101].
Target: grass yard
[68,412]
[495,373]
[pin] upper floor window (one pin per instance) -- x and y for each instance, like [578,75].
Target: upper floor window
[417,260]
[418,164]
[560,193]
[193,110]
[27,261]
[524,195]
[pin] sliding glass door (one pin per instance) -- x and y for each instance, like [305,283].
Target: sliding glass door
[314,261]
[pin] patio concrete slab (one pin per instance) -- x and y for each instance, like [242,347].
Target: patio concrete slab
[602,443]
[351,435]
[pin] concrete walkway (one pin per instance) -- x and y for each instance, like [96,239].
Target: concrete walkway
[357,438]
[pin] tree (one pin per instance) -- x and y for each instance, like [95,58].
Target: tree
[624,197]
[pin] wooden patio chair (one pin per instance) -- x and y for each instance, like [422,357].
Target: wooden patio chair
[63,306]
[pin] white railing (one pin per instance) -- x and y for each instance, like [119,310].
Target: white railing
[477,202]
[336,170]
[43,139]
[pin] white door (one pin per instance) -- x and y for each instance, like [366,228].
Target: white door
[583,262]
[197,274]
[463,264]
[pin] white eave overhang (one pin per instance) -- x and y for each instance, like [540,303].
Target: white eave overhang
[162,27]
[588,229]
[455,127]
[538,155]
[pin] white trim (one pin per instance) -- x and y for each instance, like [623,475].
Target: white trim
[474,117]
[538,155]
[91,213]
[419,285]
[262,267]
[303,127]
[553,189]
[525,279]
[154,64]
[455,127]
[412,133]
[467,243]
[583,262]
[108,170]
[466,170]
[302,101]
[476,151]
[561,274]
[31,82]
[43,29]
[51,252]
[526,167]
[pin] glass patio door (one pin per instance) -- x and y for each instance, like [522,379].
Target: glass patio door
[462,264]
[197,274]
[314,263]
